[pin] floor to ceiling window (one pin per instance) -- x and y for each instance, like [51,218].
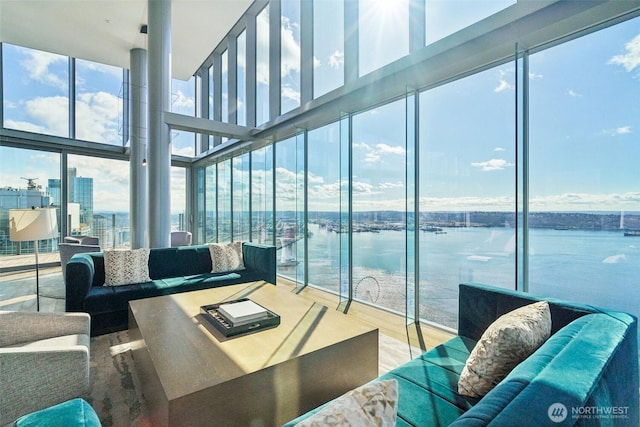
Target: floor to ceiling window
[467,189]
[379,206]
[383,31]
[178,198]
[584,150]
[99,102]
[28,179]
[210,204]
[224,95]
[241,79]
[262,66]
[290,226]
[445,17]
[324,182]
[36,90]
[241,194]
[290,55]
[99,199]
[262,195]
[183,101]
[328,46]
[223,214]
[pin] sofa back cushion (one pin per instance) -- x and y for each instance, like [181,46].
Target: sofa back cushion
[480,305]
[179,261]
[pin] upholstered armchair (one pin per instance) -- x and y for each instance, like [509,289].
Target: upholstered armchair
[180,238]
[67,250]
[82,240]
[44,360]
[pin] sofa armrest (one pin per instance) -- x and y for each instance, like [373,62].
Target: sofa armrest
[78,280]
[261,258]
[18,327]
[38,378]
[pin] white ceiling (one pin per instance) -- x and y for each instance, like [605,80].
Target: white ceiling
[106,30]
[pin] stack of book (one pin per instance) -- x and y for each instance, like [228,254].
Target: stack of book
[242,312]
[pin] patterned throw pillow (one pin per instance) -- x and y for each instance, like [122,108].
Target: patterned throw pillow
[123,267]
[506,342]
[226,257]
[373,404]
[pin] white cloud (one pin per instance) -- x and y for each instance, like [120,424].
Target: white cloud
[584,201]
[25,126]
[499,149]
[502,86]
[181,101]
[534,76]
[262,48]
[574,94]
[290,62]
[290,93]
[52,112]
[37,65]
[387,149]
[623,130]
[97,117]
[492,165]
[376,153]
[631,58]
[336,60]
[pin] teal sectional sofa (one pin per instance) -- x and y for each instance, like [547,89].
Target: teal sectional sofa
[585,374]
[172,270]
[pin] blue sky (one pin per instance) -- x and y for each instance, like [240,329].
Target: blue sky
[585,121]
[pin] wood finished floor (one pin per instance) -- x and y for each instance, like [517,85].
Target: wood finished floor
[398,342]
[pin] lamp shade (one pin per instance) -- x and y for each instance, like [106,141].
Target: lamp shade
[32,224]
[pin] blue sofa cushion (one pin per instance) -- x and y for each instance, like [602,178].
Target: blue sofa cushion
[179,261]
[72,413]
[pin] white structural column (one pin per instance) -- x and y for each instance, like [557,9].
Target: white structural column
[138,132]
[159,148]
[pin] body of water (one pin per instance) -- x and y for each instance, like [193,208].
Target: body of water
[592,267]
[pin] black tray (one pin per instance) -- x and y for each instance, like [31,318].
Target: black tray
[210,312]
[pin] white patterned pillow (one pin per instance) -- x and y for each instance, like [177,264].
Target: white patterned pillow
[123,267]
[226,257]
[506,342]
[373,404]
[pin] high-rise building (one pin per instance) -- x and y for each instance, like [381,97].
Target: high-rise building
[83,195]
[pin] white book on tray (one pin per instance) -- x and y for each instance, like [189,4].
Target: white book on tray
[241,312]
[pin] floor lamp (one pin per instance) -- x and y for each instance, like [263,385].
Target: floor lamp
[26,225]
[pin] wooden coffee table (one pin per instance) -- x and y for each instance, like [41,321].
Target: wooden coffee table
[192,375]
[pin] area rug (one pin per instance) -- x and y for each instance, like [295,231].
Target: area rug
[115,392]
